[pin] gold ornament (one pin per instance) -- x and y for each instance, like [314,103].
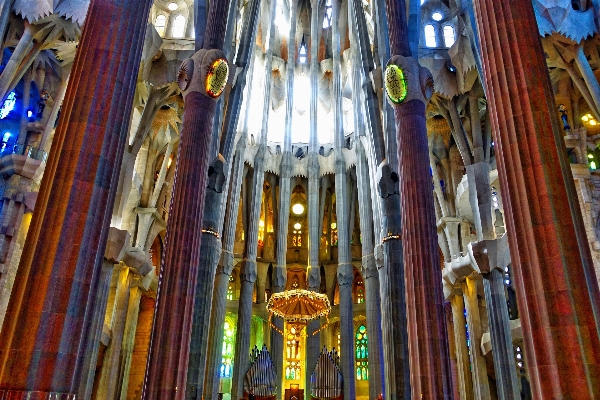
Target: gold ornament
[216,77]
[395,84]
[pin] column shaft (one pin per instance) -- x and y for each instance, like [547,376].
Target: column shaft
[481,387]
[133,311]
[45,337]
[502,348]
[551,260]
[462,351]
[430,363]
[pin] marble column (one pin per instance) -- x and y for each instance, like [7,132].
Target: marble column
[465,382]
[248,272]
[44,347]
[370,276]
[430,363]
[481,387]
[173,323]
[551,260]
[345,273]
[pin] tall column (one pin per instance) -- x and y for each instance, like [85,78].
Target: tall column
[315,217]
[430,363]
[248,272]
[370,276]
[491,257]
[232,190]
[345,274]
[558,295]
[172,328]
[109,375]
[481,387]
[131,322]
[460,341]
[45,337]
[224,270]
[285,174]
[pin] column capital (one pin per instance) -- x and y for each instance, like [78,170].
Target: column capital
[345,274]
[216,174]
[369,266]
[116,245]
[248,272]
[489,254]
[279,277]
[406,80]
[206,72]
[226,263]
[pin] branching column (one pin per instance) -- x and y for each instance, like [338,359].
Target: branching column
[370,276]
[44,343]
[430,361]
[345,274]
[558,295]
[248,272]
[224,270]
[172,328]
[315,218]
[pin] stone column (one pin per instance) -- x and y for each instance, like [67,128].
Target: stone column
[315,216]
[370,276]
[345,274]
[460,341]
[554,278]
[491,256]
[44,348]
[109,375]
[280,270]
[430,363]
[173,323]
[481,387]
[133,310]
[248,272]
[285,174]
[224,269]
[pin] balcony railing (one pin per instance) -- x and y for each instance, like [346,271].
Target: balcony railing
[24,150]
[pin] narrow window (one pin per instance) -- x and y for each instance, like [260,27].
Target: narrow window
[362,354]
[179,27]
[302,52]
[449,38]
[328,11]
[227,351]
[430,40]
[160,24]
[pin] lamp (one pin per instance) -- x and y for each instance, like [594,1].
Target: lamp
[298,209]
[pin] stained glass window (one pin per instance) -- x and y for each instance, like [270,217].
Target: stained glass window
[231,288]
[292,352]
[360,292]
[362,354]
[227,353]
[9,105]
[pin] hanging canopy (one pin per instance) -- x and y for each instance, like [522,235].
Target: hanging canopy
[298,306]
